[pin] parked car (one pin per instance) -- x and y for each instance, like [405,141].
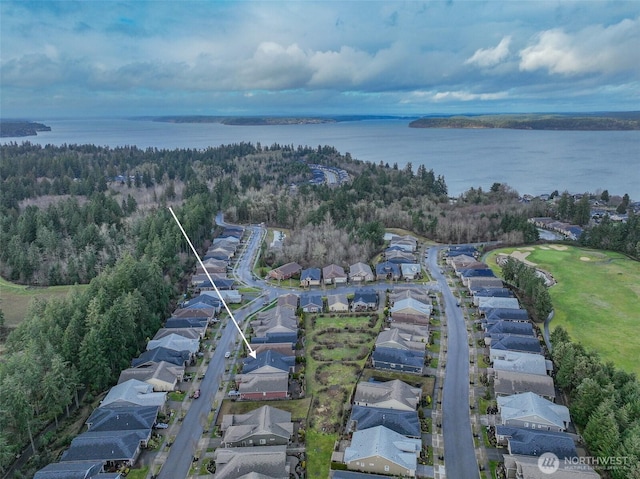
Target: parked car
[233,393]
[196,394]
[227,355]
[161,425]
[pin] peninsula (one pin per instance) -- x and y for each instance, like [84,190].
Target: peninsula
[19,128]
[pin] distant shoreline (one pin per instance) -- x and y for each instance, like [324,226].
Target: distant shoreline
[623,121]
[269,120]
[21,128]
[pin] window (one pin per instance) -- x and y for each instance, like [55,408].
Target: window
[263,441]
[386,468]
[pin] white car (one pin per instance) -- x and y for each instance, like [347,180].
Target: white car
[227,355]
[161,425]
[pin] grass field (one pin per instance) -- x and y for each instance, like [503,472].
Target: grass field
[596,298]
[15,298]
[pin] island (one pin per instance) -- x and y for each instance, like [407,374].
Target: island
[269,120]
[19,128]
[577,122]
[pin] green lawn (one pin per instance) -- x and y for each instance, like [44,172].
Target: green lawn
[297,407]
[15,298]
[319,449]
[595,299]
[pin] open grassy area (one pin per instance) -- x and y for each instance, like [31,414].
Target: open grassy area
[15,298]
[319,450]
[595,299]
[297,407]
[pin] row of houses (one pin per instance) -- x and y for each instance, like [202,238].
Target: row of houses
[529,423]
[123,424]
[363,300]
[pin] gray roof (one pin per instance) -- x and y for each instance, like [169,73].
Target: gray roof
[386,268]
[507,313]
[272,382]
[383,442]
[179,358]
[188,332]
[406,423]
[360,269]
[134,392]
[509,327]
[106,446]
[485,303]
[307,300]
[175,342]
[122,418]
[311,274]
[264,420]
[337,299]
[514,342]
[521,362]
[182,322]
[333,271]
[368,296]
[408,357]
[507,383]
[530,442]
[150,372]
[277,320]
[70,470]
[270,360]
[393,394]
[533,408]
[395,338]
[233,463]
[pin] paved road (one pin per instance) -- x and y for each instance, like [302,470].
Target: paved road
[459,453]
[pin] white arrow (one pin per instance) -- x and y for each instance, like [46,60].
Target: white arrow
[252,353]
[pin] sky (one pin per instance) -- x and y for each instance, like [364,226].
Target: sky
[108,58]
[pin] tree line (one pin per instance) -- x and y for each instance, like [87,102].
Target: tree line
[530,286]
[604,402]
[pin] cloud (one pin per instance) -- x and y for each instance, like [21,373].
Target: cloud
[459,95]
[488,57]
[594,49]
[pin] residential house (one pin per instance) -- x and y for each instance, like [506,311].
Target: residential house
[459,267]
[508,383]
[528,410]
[163,376]
[188,333]
[531,442]
[417,332]
[411,311]
[212,266]
[232,296]
[509,327]
[513,342]
[268,362]
[133,393]
[286,349]
[265,426]
[203,300]
[265,387]
[466,274]
[112,448]
[73,470]
[311,303]
[382,451]
[285,271]
[411,271]
[393,359]
[393,394]
[334,274]
[397,339]
[399,257]
[125,418]
[360,273]
[179,358]
[177,322]
[474,284]
[310,277]
[457,262]
[406,423]
[365,300]
[527,467]
[491,293]
[485,303]
[407,243]
[288,301]
[175,342]
[338,303]
[277,325]
[506,314]
[409,292]
[252,462]
[387,271]
[521,362]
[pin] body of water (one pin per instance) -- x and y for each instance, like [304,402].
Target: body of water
[532,162]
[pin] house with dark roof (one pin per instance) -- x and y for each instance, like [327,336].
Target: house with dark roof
[360,273]
[530,442]
[393,359]
[395,338]
[263,387]
[526,363]
[406,423]
[383,451]
[506,314]
[399,257]
[406,243]
[410,271]
[286,349]
[311,303]
[289,300]
[189,333]
[409,292]
[474,284]
[277,325]
[513,342]
[491,293]
[125,418]
[133,393]
[416,332]
[112,448]
[365,300]
[265,426]
[268,362]
[508,327]
[387,271]
[393,394]
[179,358]
[73,470]
[237,462]
[207,299]
[285,271]
[334,274]
[485,303]
[176,322]
[411,311]
[310,277]
[528,410]
[175,342]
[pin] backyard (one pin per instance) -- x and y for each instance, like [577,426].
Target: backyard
[595,299]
